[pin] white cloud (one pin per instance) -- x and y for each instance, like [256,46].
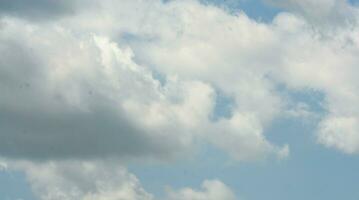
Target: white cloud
[193,41]
[102,180]
[72,84]
[210,190]
[83,86]
[86,80]
[341,133]
[325,60]
[87,93]
[243,132]
[81,180]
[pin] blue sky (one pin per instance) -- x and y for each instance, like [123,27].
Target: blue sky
[255,9]
[289,78]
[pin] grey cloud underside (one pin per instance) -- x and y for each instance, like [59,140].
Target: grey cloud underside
[100,134]
[39,124]
[37,9]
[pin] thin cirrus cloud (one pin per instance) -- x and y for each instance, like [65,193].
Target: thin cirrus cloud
[85,85]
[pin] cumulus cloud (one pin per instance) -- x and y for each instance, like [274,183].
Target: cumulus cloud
[340,133]
[102,180]
[81,180]
[245,59]
[76,89]
[67,96]
[324,60]
[86,66]
[210,190]
[94,72]
[141,79]
[206,43]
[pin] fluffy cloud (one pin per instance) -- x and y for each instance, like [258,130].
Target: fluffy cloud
[210,190]
[83,86]
[67,96]
[81,180]
[206,43]
[93,68]
[324,60]
[76,89]
[102,180]
[341,133]
[309,50]
[141,79]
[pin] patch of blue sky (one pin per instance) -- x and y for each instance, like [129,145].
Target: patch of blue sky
[207,164]
[255,9]
[354,2]
[13,186]
[223,107]
[311,171]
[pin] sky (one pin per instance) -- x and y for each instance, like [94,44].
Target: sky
[179,99]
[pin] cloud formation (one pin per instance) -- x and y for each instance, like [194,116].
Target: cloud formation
[87,98]
[102,180]
[142,79]
[81,180]
[84,94]
[85,74]
[210,190]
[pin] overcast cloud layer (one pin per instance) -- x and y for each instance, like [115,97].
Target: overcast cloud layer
[91,80]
